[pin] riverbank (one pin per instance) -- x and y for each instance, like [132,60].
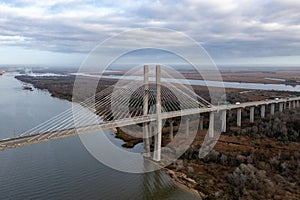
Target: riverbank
[182,181]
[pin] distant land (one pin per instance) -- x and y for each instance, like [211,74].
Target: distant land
[254,74]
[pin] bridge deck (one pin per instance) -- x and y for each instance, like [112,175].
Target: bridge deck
[67,132]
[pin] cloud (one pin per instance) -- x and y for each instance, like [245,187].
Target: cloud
[227,29]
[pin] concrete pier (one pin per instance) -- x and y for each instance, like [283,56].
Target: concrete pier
[223,120]
[280,107]
[290,105]
[239,117]
[294,104]
[272,111]
[158,135]
[252,114]
[201,122]
[152,132]
[297,104]
[171,129]
[145,112]
[211,124]
[187,126]
[229,112]
[263,111]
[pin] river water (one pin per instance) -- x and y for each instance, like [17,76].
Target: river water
[226,84]
[238,85]
[62,169]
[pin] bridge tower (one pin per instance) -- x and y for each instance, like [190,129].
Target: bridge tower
[146,138]
[158,135]
[158,129]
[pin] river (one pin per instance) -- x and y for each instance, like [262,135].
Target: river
[237,85]
[62,169]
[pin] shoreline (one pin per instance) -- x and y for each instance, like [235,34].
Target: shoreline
[181,181]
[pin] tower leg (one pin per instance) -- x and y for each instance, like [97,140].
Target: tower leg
[158,135]
[145,112]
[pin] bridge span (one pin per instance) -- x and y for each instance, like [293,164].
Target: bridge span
[141,114]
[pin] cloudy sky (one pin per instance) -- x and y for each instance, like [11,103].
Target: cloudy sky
[63,32]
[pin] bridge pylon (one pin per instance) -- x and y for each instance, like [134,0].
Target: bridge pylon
[146,136]
[158,135]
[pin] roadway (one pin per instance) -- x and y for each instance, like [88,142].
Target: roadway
[63,133]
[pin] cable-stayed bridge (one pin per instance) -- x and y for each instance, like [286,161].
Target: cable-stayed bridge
[147,103]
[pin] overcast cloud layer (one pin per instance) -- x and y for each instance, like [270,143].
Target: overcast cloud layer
[231,31]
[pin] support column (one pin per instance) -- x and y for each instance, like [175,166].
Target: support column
[294,104]
[280,107]
[290,106]
[229,113]
[158,135]
[171,129]
[223,120]
[284,105]
[145,112]
[201,122]
[251,114]
[152,132]
[297,103]
[239,117]
[154,129]
[272,109]
[187,126]
[211,124]
[263,111]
